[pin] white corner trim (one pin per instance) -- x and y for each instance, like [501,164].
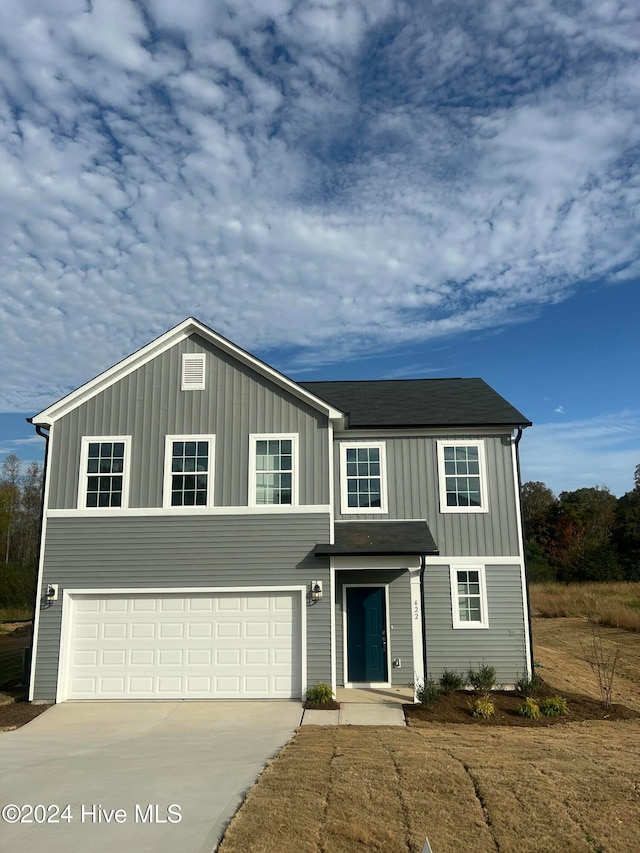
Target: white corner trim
[332,626]
[295,466]
[523,574]
[455,613]
[168,455]
[332,496]
[442,486]
[416,629]
[344,508]
[38,593]
[82,480]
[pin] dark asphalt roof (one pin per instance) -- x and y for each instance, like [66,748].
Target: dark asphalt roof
[380,537]
[418,403]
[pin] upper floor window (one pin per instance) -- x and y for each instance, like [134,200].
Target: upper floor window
[272,470]
[462,476]
[363,478]
[193,375]
[189,470]
[104,472]
[469,597]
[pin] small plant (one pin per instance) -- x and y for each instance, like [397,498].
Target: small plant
[450,681]
[483,678]
[529,708]
[527,687]
[482,707]
[602,662]
[320,694]
[555,706]
[427,693]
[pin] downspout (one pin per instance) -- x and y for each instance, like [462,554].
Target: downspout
[423,565]
[38,592]
[524,553]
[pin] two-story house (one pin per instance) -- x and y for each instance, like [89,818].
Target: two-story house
[213,529]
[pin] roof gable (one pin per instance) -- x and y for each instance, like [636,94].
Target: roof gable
[161,344]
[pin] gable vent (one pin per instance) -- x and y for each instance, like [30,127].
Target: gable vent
[193,372]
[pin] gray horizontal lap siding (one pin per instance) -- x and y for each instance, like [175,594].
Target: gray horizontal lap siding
[502,645]
[148,405]
[401,643]
[191,551]
[413,492]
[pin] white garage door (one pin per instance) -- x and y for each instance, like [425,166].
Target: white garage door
[196,646]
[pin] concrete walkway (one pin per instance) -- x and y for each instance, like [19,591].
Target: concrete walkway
[357,714]
[360,707]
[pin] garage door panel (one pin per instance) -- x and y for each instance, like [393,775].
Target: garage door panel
[176,646]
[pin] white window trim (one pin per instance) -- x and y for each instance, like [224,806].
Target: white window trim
[168,454]
[273,436]
[82,481]
[455,609]
[193,386]
[484,498]
[345,509]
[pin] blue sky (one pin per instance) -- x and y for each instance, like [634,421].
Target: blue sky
[346,189]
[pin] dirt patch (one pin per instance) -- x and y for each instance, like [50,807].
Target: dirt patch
[454,709]
[15,714]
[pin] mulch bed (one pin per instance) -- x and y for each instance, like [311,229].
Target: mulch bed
[324,706]
[16,714]
[454,708]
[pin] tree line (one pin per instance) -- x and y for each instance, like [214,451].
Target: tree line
[584,535]
[20,507]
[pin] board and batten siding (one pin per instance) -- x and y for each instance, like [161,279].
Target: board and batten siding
[501,645]
[233,551]
[413,492]
[148,405]
[400,638]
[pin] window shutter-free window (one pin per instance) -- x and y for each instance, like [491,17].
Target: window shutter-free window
[193,372]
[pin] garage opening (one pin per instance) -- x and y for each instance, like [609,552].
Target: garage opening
[201,645]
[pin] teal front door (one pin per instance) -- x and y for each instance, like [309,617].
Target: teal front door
[366,634]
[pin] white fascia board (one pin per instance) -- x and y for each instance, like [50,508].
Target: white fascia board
[157,347]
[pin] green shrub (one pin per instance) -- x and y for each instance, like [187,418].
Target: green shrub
[320,694]
[483,678]
[427,693]
[527,687]
[450,681]
[555,706]
[482,707]
[529,708]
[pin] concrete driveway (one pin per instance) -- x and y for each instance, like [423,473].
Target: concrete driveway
[136,776]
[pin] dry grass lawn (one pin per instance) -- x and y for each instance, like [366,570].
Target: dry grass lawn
[567,788]
[616,605]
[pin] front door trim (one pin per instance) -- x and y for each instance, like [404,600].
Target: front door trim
[345,671]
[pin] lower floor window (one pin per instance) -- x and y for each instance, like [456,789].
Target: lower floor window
[469,597]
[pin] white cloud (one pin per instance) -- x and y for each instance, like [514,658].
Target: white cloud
[601,451]
[559,410]
[336,176]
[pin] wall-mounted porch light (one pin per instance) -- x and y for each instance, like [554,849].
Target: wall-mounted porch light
[315,592]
